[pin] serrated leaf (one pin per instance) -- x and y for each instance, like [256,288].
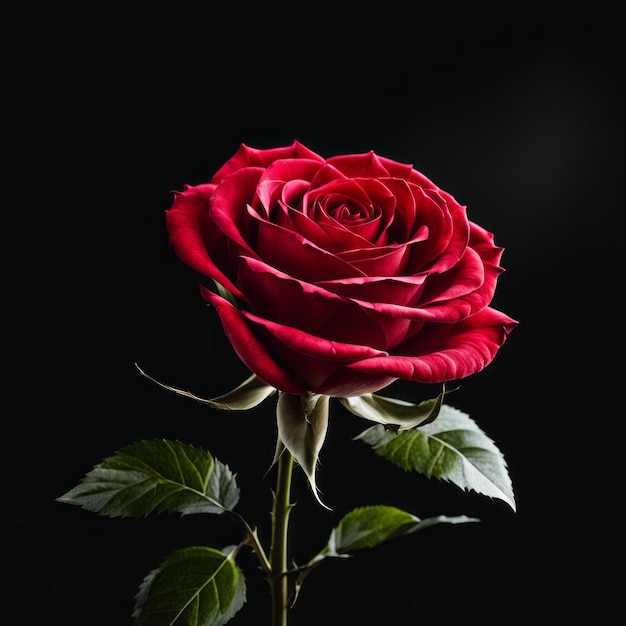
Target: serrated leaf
[302,424]
[367,527]
[154,477]
[250,393]
[452,448]
[195,586]
[392,411]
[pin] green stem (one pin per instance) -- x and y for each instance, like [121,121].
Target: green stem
[278,551]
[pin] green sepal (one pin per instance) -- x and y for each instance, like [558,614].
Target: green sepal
[302,423]
[195,586]
[393,413]
[227,295]
[452,448]
[153,477]
[249,394]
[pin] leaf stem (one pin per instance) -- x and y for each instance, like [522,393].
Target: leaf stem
[252,540]
[278,551]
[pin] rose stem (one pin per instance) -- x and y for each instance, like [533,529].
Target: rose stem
[278,550]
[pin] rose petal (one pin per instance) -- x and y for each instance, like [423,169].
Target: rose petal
[294,220]
[359,228]
[346,187]
[446,313]
[247,157]
[323,375]
[291,252]
[312,345]
[250,349]
[402,220]
[443,353]
[279,173]
[348,236]
[404,171]
[306,306]
[463,278]
[396,290]
[383,261]
[192,235]
[443,223]
[229,207]
[345,382]
[367,164]
[326,174]
[482,241]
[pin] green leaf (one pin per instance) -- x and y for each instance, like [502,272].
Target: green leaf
[369,526]
[302,424]
[195,586]
[154,477]
[250,393]
[451,448]
[392,411]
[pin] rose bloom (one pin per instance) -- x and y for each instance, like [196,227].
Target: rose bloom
[339,276]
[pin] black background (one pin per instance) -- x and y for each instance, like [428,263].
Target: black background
[511,108]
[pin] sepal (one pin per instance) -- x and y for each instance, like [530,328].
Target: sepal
[302,424]
[393,413]
[249,394]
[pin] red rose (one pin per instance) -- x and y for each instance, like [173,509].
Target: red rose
[338,276]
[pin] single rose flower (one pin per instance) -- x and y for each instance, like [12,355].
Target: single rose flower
[339,276]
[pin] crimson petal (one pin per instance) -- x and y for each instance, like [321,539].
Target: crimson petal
[291,252]
[247,156]
[249,349]
[367,164]
[312,345]
[192,237]
[396,290]
[306,306]
[465,277]
[449,352]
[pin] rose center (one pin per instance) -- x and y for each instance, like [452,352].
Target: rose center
[346,213]
[345,210]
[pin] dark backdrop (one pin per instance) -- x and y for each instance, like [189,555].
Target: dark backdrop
[108,108]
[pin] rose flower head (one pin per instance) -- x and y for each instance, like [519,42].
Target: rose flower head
[339,276]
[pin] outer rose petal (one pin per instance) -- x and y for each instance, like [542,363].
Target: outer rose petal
[318,375]
[310,345]
[321,373]
[447,352]
[229,207]
[482,241]
[246,157]
[192,233]
[346,382]
[367,164]
[250,350]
